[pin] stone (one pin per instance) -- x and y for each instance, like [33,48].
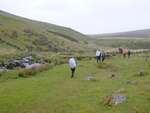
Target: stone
[28,66]
[90,78]
[141,73]
[114,100]
[118,99]
[3,69]
[121,90]
[113,76]
[133,82]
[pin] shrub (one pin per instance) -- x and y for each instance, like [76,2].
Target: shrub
[34,70]
[79,58]
[41,40]
[14,34]
[84,58]
[28,32]
[102,65]
[141,73]
[58,61]
[44,67]
[55,60]
[107,65]
[26,72]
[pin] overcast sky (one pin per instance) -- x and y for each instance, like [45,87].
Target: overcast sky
[86,16]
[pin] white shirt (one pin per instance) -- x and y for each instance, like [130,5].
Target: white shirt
[72,63]
[98,53]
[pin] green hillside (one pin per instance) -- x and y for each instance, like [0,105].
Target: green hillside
[139,39]
[115,42]
[20,34]
[144,33]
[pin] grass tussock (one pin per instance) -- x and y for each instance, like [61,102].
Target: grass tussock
[34,70]
[106,65]
[142,73]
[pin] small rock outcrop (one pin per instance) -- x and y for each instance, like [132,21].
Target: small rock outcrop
[133,82]
[118,99]
[91,78]
[114,100]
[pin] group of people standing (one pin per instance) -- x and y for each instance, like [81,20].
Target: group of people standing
[100,57]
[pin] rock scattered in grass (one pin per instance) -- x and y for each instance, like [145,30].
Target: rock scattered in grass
[133,82]
[121,90]
[114,100]
[91,78]
[3,69]
[118,99]
[113,76]
[141,73]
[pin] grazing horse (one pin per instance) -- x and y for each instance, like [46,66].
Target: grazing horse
[124,52]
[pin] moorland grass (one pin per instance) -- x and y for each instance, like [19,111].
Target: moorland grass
[53,91]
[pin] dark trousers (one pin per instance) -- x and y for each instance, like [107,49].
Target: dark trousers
[98,58]
[103,58]
[73,71]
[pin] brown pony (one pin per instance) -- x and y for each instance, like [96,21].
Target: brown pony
[125,52]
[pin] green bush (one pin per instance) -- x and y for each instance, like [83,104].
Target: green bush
[56,60]
[33,71]
[141,73]
[104,65]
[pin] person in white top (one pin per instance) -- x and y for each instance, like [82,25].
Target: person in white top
[98,55]
[73,65]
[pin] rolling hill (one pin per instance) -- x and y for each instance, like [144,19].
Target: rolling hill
[138,39]
[145,33]
[19,34]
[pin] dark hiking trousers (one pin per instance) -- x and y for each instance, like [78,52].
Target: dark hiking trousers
[97,58]
[73,71]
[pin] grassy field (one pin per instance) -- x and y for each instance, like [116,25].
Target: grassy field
[54,91]
[115,42]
